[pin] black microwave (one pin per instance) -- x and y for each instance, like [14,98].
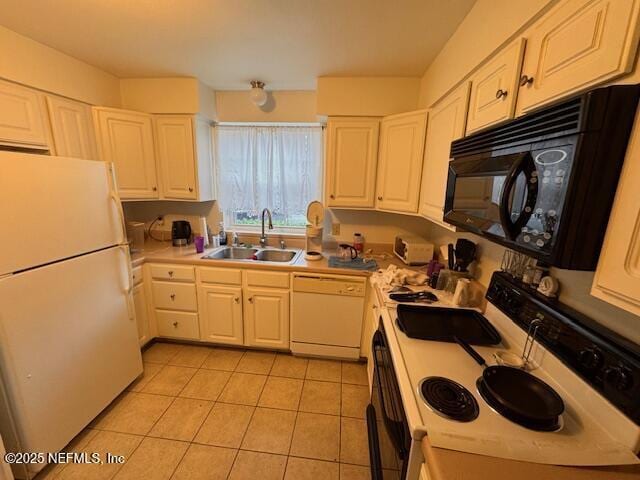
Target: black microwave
[543,184]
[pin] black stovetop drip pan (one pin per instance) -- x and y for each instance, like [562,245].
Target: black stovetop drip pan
[444,324]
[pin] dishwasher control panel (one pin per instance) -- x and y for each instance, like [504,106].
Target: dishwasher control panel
[329,285]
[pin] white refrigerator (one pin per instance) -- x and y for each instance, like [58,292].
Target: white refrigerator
[68,337]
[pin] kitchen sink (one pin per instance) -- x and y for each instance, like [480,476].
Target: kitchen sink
[254,254]
[233,253]
[276,255]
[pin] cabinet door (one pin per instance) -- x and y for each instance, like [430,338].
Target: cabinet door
[126,139]
[352,152]
[22,118]
[400,161]
[494,87]
[142,314]
[220,310]
[617,277]
[176,156]
[72,128]
[266,318]
[578,44]
[446,123]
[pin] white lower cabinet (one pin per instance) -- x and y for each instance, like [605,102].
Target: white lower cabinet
[266,317]
[174,324]
[142,314]
[220,309]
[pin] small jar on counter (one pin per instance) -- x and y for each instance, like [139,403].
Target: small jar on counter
[358,242]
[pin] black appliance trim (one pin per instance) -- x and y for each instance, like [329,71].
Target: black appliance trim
[601,357]
[374,442]
[391,409]
[597,124]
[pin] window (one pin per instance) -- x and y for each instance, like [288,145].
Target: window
[277,167]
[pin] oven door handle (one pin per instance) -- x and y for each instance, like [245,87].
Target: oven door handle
[392,426]
[510,227]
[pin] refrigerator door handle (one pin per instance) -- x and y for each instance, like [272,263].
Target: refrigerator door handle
[131,309]
[116,198]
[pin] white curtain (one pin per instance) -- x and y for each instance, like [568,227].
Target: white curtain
[277,167]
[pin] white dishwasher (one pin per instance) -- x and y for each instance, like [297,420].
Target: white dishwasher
[326,315]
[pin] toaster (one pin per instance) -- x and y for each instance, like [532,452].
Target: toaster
[412,249]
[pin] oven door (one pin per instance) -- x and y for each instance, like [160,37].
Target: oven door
[389,438]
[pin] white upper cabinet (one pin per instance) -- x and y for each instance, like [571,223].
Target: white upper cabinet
[176,155]
[446,123]
[126,139]
[400,161]
[266,317]
[72,128]
[183,145]
[494,88]
[352,153]
[22,117]
[617,278]
[577,44]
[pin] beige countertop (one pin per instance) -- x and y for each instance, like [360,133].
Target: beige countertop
[163,252]
[452,465]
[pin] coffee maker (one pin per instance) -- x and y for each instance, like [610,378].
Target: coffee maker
[180,233]
[315,219]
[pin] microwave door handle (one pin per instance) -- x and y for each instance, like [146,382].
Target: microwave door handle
[508,225]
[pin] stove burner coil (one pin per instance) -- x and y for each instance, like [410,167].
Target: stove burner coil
[449,399]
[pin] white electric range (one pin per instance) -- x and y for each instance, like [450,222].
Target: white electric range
[593,432]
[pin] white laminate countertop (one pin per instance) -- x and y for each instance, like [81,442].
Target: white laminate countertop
[164,252]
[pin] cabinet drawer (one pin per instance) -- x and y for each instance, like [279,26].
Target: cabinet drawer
[177,324]
[175,296]
[137,275]
[179,273]
[257,278]
[226,276]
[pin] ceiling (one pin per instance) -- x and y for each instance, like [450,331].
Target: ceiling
[226,43]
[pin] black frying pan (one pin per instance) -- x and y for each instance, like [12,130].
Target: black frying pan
[517,390]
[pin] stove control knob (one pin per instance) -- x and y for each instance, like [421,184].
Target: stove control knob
[590,358]
[618,377]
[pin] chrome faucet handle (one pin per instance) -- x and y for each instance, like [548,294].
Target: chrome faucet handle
[282,245]
[235,240]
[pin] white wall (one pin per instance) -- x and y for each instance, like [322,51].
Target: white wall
[490,24]
[367,96]
[184,95]
[281,106]
[30,63]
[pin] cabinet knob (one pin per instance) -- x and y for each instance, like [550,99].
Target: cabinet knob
[379,198]
[175,324]
[173,296]
[250,299]
[501,93]
[191,189]
[236,299]
[155,189]
[525,80]
[170,272]
[332,196]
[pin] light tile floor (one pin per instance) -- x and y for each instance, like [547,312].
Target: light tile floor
[229,414]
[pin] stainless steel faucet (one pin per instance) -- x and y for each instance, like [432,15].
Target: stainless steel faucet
[263,237]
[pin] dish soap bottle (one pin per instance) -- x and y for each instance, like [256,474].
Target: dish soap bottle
[222,234]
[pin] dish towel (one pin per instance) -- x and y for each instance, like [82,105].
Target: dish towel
[356,263]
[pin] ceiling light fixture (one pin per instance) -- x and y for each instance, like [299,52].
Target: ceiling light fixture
[257,93]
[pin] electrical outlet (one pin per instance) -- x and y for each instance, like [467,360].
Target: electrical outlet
[335,229]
